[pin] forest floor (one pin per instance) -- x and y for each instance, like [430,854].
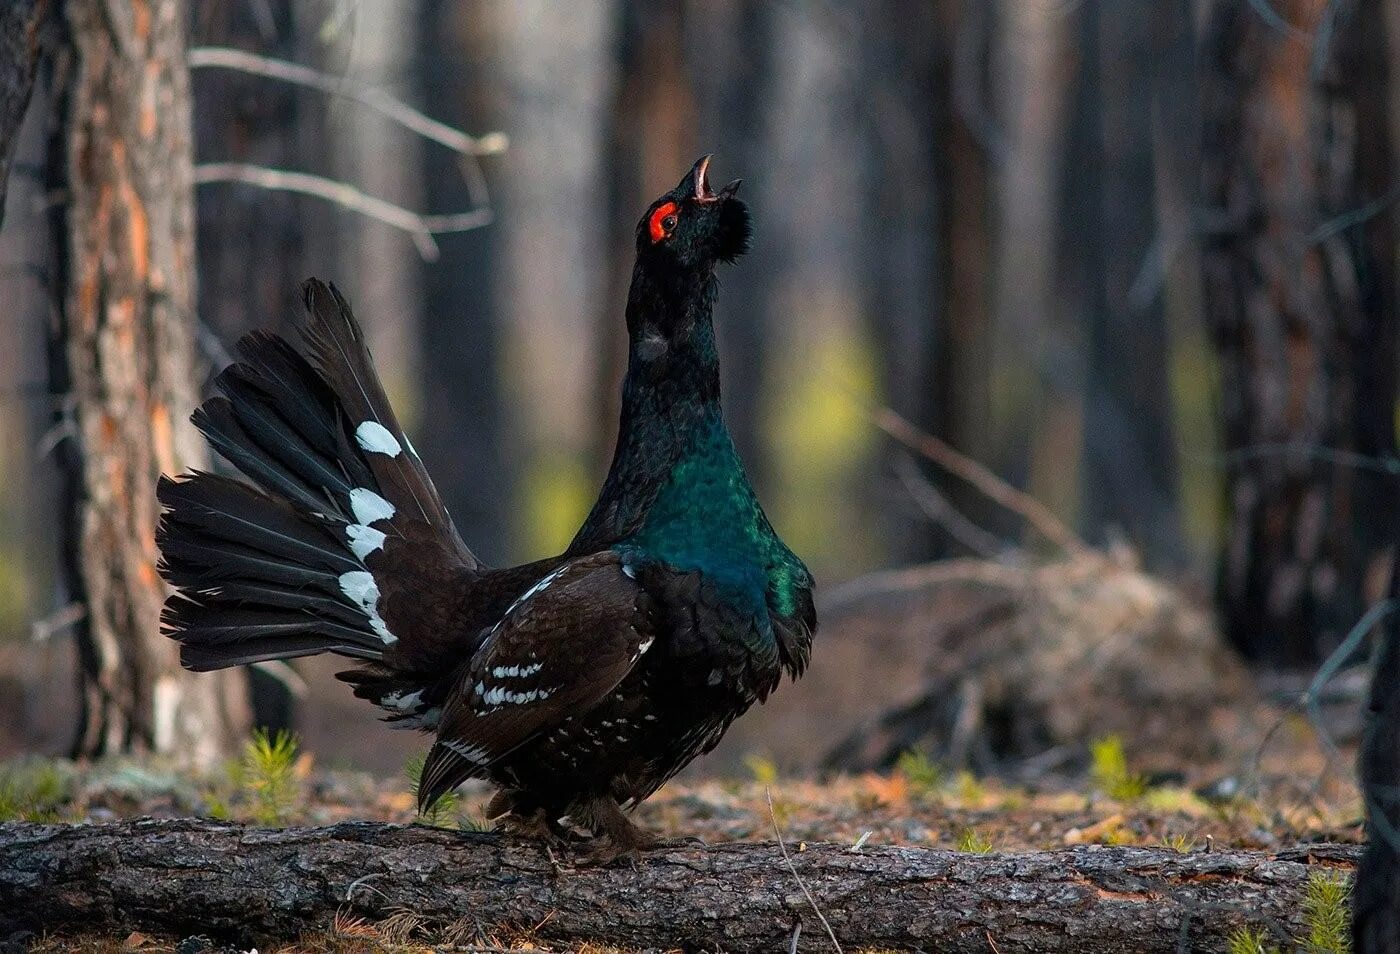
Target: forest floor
[1295,790]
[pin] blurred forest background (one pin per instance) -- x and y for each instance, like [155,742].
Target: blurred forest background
[1137,258]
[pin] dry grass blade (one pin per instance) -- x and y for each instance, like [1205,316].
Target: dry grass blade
[787,860]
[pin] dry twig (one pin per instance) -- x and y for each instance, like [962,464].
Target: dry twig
[987,483]
[219,57]
[787,860]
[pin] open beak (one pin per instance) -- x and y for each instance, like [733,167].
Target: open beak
[700,176]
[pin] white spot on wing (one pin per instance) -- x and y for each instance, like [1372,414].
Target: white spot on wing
[427,719]
[364,540]
[472,753]
[377,439]
[368,506]
[359,585]
[403,703]
[550,578]
[498,696]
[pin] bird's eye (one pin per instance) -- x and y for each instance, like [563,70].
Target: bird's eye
[663,220]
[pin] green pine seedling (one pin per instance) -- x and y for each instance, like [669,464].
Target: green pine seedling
[1246,940]
[266,776]
[1181,844]
[474,823]
[32,792]
[1326,909]
[973,842]
[1110,770]
[443,813]
[921,772]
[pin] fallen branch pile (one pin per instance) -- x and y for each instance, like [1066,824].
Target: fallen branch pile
[258,885]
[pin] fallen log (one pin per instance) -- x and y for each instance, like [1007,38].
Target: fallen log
[256,886]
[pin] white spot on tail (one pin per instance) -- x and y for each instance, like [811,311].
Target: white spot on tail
[377,439]
[364,540]
[368,506]
[359,585]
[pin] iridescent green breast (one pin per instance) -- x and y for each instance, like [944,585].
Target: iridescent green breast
[705,517]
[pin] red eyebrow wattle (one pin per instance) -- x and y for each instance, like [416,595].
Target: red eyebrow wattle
[658,232]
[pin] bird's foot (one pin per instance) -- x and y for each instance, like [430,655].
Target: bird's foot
[603,852]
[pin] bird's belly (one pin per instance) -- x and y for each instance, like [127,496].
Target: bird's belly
[653,725]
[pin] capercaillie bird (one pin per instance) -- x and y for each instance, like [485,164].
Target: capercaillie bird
[577,684]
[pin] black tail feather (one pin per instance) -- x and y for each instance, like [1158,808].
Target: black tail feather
[339,355]
[258,579]
[342,528]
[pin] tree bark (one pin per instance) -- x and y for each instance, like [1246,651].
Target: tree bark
[259,885]
[122,358]
[1299,269]
[20,47]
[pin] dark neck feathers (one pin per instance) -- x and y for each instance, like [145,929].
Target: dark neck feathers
[669,395]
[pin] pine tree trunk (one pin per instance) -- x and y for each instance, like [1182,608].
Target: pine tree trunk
[966,138]
[20,22]
[123,361]
[1300,291]
[1376,896]
[462,409]
[735,99]
[1106,235]
[648,144]
[248,119]
[901,47]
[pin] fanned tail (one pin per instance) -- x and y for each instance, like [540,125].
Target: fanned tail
[332,548]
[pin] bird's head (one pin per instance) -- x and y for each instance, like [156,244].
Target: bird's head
[693,226]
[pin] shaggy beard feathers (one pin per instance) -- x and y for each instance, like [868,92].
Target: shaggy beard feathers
[734,233]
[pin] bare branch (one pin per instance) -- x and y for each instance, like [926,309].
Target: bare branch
[218,57]
[987,483]
[421,228]
[940,510]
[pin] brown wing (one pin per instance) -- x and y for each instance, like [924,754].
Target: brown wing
[557,652]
